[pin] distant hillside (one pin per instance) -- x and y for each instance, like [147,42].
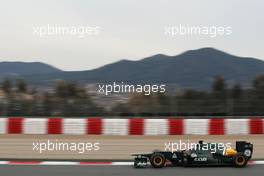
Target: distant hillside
[194,68]
[26,68]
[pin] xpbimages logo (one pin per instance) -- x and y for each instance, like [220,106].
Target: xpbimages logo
[182,145]
[55,145]
[197,30]
[79,31]
[147,89]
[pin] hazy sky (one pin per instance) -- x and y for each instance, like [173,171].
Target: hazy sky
[128,29]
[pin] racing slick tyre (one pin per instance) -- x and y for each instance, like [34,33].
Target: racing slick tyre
[157,160]
[240,160]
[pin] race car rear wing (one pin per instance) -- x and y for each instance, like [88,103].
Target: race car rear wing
[244,147]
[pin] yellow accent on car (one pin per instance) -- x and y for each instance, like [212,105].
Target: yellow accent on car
[230,152]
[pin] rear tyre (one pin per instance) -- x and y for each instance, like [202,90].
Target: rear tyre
[157,160]
[240,160]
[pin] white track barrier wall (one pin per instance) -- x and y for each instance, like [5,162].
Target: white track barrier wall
[139,126]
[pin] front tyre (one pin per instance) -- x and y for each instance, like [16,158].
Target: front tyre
[157,160]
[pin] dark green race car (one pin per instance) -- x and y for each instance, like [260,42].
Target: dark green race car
[197,156]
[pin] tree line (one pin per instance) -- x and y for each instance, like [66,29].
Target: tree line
[72,99]
[65,99]
[220,100]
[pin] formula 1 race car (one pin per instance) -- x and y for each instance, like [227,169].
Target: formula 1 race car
[238,157]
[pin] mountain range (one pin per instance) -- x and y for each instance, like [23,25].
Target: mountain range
[192,69]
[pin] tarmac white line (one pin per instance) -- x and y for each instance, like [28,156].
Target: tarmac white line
[4,162]
[258,162]
[122,163]
[66,163]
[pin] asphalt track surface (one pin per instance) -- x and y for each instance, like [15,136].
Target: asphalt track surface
[14,147]
[7,170]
